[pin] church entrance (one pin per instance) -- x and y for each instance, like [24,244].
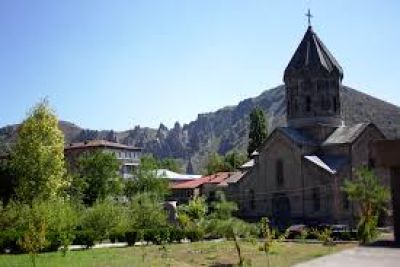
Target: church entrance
[281,211]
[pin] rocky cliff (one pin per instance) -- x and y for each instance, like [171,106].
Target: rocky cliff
[226,129]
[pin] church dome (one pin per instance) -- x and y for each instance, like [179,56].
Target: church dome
[312,55]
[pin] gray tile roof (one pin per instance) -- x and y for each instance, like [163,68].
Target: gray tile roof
[345,134]
[298,136]
[313,54]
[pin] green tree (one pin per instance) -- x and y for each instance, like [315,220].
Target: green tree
[63,220]
[34,226]
[104,219]
[230,162]
[169,164]
[38,156]
[8,183]
[196,209]
[215,164]
[146,212]
[258,130]
[233,160]
[270,238]
[221,222]
[371,198]
[146,181]
[99,171]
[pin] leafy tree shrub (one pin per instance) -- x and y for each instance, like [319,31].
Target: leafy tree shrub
[223,223]
[325,236]
[63,219]
[372,198]
[132,237]
[8,183]
[146,212]
[85,238]
[176,234]
[103,219]
[229,162]
[195,234]
[99,173]
[146,180]
[195,210]
[38,156]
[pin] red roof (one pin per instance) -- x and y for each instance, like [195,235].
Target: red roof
[216,178]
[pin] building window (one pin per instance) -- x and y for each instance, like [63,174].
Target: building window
[346,203]
[252,203]
[279,172]
[334,104]
[308,103]
[316,199]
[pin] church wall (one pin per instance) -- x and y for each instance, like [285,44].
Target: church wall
[255,191]
[361,153]
[327,187]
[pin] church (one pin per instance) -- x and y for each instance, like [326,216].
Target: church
[299,170]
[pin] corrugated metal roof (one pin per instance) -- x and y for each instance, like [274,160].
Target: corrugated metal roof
[330,163]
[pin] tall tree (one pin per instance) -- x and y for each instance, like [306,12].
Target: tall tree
[99,171]
[372,198]
[258,130]
[38,155]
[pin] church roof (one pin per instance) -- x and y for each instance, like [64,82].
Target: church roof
[345,134]
[298,136]
[330,163]
[313,54]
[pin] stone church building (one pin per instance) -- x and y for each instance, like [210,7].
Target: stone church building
[299,171]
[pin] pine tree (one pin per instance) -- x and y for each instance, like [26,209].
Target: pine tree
[258,130]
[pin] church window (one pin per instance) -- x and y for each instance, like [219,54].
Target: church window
[279,172]
[316,199]
[334,104]
[346,203]
[252,200]
[308,103]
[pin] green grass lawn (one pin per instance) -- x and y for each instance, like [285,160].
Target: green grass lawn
[180,255]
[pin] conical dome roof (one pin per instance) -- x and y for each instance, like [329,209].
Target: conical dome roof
[313,55]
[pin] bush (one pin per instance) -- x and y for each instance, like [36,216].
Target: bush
[176,234]
[131,237]
[85,238]
[157,236]
[9,241]
[104,220]
[195,234]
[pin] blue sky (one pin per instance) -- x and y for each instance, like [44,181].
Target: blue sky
[116,64]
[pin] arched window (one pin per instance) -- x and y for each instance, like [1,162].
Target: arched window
[334,104]
[279,172]
[252,202]
[308,103]
[346,203]
[316,199]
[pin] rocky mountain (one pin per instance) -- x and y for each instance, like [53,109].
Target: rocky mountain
[225,129]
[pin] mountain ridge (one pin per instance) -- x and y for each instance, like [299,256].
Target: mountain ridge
[225,129]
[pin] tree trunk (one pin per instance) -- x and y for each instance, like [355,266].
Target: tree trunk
[238,250]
